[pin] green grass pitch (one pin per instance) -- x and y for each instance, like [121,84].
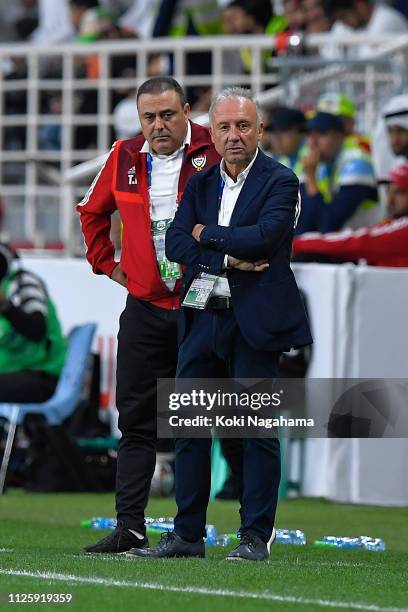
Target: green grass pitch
[40,552]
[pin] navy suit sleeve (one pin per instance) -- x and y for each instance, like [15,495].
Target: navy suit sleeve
[261,240]
[321,217]
[180,244]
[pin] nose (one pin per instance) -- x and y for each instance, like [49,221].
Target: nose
[233,133]
[158,123]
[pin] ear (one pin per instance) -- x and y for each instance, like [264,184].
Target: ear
[186,110]
[211,134]
[260,130]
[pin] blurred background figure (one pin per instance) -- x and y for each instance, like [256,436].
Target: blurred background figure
[288,138]
[390,141]
[383,244]
[315,17]
[294,14]
[367,16]
[54,24]
[32,346]
[343,107]
[339,188]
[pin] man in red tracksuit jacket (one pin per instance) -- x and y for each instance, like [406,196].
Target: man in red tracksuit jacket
[384,244]
[143,178]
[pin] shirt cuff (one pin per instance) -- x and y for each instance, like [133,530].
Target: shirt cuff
[225,262]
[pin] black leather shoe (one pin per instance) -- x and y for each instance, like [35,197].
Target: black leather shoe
[119,541]
[250,548]
[170,545]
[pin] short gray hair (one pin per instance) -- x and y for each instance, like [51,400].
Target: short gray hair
[235,93]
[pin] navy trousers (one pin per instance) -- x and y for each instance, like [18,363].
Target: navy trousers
[213,337]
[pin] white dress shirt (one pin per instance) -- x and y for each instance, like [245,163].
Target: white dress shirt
[230,194]
[164,180]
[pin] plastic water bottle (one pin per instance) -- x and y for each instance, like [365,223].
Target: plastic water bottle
[290,536]
[99,522]
[211,534]
[362,543]
[222,540]
[162,519]
[159,524]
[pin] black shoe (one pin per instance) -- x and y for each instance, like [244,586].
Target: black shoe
[170,545]
[250,548]
[119,541]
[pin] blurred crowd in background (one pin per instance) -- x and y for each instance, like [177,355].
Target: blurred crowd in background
[340,170]
[52,21]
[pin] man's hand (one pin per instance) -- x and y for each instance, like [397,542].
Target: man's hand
[197,229]
[310,162]
[247,266]
[119,276]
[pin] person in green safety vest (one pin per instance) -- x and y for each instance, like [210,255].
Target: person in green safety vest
[340,105]
[252,17]
[288,138]
[339,187]
[188,18]
[32,346]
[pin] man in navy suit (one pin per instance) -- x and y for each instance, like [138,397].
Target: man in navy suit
[236,221]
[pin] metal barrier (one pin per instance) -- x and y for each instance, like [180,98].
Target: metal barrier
[40,186]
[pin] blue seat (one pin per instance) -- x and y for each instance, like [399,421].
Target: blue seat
[66,396]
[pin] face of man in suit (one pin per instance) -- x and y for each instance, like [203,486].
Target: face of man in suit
[236,132]
[163,120]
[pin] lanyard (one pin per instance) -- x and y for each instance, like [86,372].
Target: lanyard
[149,168]
[220,191]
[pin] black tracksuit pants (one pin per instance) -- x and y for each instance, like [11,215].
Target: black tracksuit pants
[147,350]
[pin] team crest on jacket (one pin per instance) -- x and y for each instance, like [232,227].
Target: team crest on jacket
[199,162]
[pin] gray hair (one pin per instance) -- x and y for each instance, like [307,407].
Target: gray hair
[235,93]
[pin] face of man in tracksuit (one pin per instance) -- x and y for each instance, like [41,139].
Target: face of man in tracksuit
[164,121]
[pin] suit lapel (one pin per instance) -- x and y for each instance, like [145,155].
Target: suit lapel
[211,197]
[253,184]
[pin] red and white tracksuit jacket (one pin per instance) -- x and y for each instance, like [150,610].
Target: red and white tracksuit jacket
[384,244]
[122,185]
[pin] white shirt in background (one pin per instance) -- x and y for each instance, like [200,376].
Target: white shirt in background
[230,195]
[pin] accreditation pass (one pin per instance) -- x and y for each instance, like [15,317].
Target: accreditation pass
[200,290]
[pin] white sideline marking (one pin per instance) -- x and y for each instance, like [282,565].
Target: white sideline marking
[156,586]
[6,550]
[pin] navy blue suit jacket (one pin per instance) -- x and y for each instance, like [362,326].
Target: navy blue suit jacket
[267,305]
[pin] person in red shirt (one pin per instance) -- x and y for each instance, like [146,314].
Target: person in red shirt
[143,178]
[383,244]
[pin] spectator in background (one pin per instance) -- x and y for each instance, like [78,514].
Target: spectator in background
[32,347]
[339,188]
[288,128]
[315,18]
[384,244]
[26,24]
[49,135]
[140,18]
[396,120]
[181,18]
[54,22]
[294,14]
[341,106]
[367,16]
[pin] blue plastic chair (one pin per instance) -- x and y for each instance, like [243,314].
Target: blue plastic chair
[65,398]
